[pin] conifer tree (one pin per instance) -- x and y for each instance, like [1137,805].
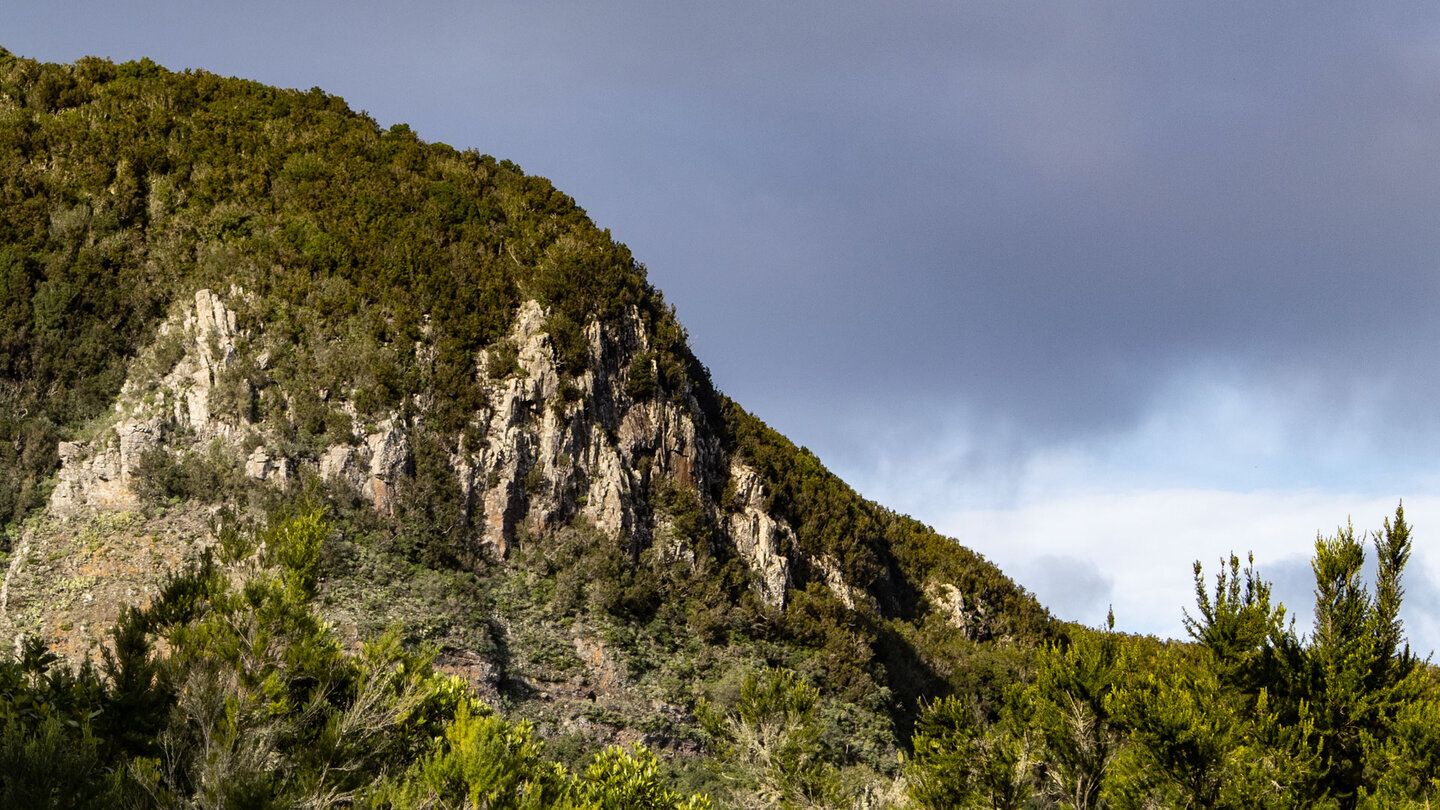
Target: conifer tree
[1074,702]
[1358,676]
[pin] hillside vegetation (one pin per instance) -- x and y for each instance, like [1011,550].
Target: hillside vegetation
[350,470]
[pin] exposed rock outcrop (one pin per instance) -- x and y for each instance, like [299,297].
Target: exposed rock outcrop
[156,404]
[972,620]
[759,537]
[555,448]
[546,448]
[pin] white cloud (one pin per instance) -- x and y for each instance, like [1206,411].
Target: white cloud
[1137,549]
[1218,464]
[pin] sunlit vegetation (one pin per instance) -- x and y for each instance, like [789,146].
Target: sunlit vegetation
[229,691]
[128,187]
[1250,713]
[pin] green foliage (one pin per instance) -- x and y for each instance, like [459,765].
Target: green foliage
[504,360]
[1198,736]
[1356,675]
[431,517]
[1074,703]
[381,267]
[1235,626]
[640,381]
[1251,716]
[629,780]
[490,763]
[372,270]
[842,642]
[687,515]
[960,760]
[293,545]
[254,703]
[49,754]
[126,188]
[1408,762]
[572,350]
[49,765]
[139,694]
[207,474]
[486,761]
[770,742]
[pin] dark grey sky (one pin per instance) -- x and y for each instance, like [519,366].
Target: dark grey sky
[984,258]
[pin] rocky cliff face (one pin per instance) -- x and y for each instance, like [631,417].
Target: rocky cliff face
[546,455]
[546,449]
[156,407]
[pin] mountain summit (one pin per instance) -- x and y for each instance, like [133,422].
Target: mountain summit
[219,300]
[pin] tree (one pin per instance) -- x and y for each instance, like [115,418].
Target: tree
[961,761]
[1409,763]
[1213,744]
[770,742]
[1358,677]
[1074,701]
[1237,623]
[1318,715]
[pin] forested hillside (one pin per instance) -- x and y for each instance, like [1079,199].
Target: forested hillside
[342,469]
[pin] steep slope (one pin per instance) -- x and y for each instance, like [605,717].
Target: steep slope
[217,298]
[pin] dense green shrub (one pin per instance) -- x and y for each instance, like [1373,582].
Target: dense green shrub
[771,742]
[640,382]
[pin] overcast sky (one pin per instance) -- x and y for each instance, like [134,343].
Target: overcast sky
[1097,288]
